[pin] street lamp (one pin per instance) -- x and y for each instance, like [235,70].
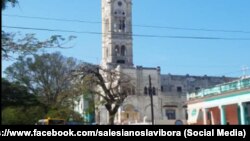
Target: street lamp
[151,99]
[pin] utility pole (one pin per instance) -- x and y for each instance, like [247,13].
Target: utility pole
[151,99]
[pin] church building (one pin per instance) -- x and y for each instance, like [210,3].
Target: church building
[169,91]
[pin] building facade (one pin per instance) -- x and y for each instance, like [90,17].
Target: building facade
[84,105]
[174,89]
[223,104]
[169,91]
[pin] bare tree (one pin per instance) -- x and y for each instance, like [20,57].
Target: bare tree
[110,86]
[21,45]
[16,44]
[5,2]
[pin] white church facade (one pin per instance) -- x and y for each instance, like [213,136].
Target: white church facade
[169,99]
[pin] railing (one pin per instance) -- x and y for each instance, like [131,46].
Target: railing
[220,89]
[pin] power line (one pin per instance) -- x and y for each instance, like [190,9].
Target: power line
[52,30]
[135,35]
[135,25]
[195,29]
[52,19]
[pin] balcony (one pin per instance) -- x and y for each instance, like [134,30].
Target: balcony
[240,84]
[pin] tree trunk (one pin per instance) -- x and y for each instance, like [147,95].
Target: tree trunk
[112,113]
[111,118]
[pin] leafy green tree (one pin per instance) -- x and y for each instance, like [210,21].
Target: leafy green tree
[64,113]
[47,76]
[13,116]
[22,115]
[14,94]
[18,105]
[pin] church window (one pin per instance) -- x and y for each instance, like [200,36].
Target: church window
[179,89]
[119,3]
[170,114]
[197,88]
[123,51]
[122,24]
[115,27]
[154,91]
[117,50]
[120,61]
[145,90]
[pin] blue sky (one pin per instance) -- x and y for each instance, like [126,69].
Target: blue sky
[175,56]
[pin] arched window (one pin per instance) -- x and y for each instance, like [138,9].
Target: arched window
[145,90]
[122,24]
[117,50]
[154,91]
[115,26]
[179,89]
[123,51]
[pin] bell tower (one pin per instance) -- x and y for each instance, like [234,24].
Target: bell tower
[117,33]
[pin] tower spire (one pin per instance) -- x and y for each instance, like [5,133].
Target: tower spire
[117,33]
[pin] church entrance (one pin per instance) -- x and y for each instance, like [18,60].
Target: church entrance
[130,115]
